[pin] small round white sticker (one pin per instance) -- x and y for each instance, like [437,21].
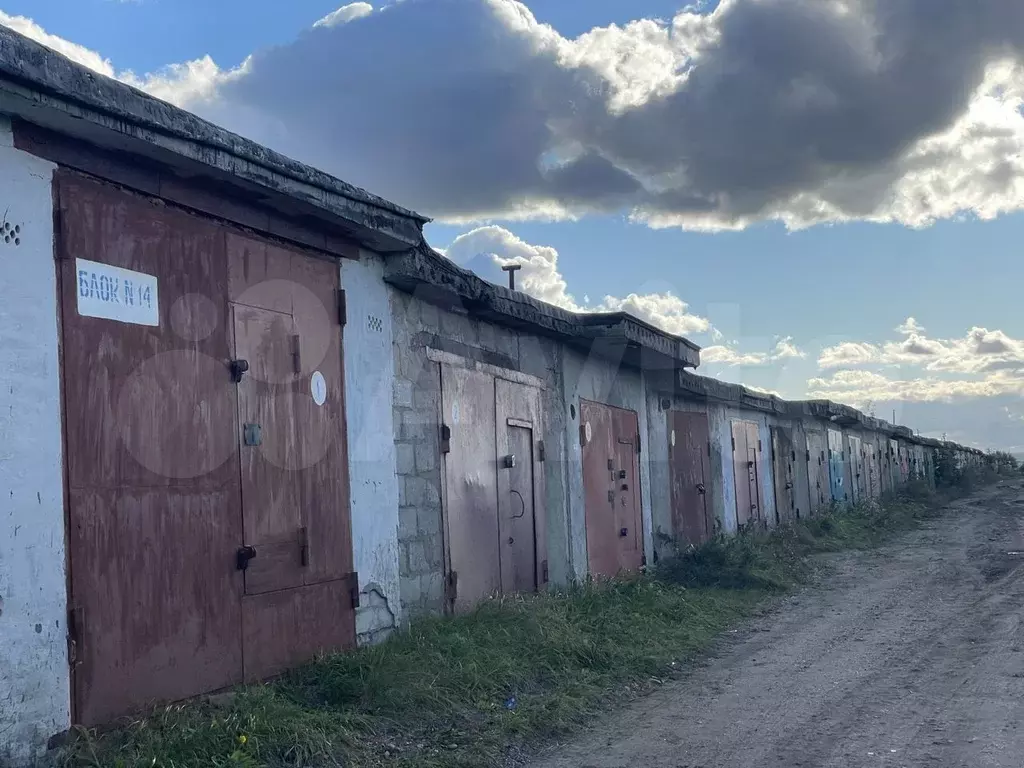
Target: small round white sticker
[318,386]
[672,439]
[588,431]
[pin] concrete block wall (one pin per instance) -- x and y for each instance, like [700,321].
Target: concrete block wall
[423,336]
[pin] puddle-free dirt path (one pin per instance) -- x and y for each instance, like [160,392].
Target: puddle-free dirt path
[910,655]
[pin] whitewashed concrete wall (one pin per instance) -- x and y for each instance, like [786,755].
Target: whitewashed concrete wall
[369,390]
[34,680]
[590,377]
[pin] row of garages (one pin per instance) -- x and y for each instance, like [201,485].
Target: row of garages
[251,417]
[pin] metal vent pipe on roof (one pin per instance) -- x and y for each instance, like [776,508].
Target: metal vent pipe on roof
[511,269]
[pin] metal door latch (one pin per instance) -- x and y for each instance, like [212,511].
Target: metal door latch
[701,489]
[238,369]
[509,462]
[243,556]
[623,533]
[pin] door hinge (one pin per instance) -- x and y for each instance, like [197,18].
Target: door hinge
[451,587]
[638,449]
[760,448]
[544,572]
[353,589]
[709,448]
[76,631]
[540,450]
[446,439]
[342,308]
[734,445]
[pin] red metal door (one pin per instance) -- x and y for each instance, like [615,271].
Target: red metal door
[471,486]
[299,585]
[152,476]
[521,505]
[688,459]
[611,481]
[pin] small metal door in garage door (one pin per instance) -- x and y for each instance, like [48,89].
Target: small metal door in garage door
[746,459]
[783,464]
[611,482]
[817,472]
[154,484]
[689,448]
[494,486]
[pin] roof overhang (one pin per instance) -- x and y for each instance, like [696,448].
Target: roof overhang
[44,88]
[615,336]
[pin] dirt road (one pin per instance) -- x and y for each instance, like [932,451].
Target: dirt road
[911,655]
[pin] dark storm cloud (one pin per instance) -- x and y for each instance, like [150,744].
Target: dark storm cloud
[801,109]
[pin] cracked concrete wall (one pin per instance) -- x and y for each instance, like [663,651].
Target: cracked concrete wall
[369,381]
[34,677]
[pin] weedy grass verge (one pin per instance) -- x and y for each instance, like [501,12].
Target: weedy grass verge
[471,690]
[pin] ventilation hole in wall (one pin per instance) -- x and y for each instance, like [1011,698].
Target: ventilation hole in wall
[17,241]
[7,238]
[17,228]
[572,411]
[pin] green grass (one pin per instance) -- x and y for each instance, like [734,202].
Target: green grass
[439,694]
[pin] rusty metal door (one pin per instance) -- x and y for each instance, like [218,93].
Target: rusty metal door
[874,469]
[689,446]
[629,523]
[611,481]
[802,460]
[296,548]
[817,473]
[521,519]
[783,460]
[152,473]
[856,468]
[471,486]
[746,449]
[837,466]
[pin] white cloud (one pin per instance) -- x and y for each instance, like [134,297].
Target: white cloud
[345,14]
[488,248]
[729,355]
[75,52]
[979,351]
[910,326]
[857,387]
[792,110]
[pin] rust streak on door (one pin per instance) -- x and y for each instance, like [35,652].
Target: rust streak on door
[689,438]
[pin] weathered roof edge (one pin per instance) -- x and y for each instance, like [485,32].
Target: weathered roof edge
[826,410]
[53,81]
[435,278]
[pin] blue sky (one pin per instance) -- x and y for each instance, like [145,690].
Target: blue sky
[788,196]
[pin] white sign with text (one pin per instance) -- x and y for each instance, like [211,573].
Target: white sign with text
[117,294]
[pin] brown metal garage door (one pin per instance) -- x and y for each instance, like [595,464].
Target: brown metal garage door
[156,304]
[688,456]
[611,481]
